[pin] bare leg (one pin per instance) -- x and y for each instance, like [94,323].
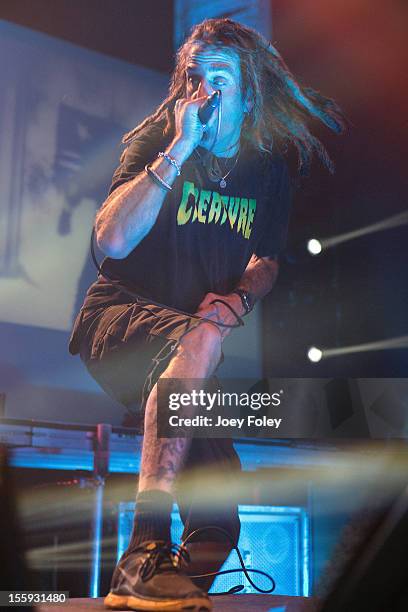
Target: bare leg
[197,356]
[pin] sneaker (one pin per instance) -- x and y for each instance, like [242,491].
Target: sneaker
[150,578]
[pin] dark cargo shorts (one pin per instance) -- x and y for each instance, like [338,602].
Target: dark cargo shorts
[126,347]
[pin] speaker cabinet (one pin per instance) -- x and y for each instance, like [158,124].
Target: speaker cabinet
[274,539]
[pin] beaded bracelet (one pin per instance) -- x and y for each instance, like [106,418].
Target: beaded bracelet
[171,161]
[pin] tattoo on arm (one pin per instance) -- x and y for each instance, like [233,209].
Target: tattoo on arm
[169,459]
[259,276]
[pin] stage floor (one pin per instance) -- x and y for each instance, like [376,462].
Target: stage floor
[238,603]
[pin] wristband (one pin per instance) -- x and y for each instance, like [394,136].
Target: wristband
[157,179]
[246,299]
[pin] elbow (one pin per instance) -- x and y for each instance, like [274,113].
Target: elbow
[114,240]
[111,246]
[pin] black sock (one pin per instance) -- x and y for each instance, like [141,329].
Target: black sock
[152,518]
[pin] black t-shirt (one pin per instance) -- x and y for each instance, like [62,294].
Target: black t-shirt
[204,236]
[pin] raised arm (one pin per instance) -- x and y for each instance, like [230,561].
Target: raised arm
[129,212]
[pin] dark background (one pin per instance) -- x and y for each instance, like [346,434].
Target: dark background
[137,31]
[358,291]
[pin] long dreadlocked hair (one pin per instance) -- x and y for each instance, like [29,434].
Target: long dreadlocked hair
[282,108]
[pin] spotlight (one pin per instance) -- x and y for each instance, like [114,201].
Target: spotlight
[385,224]
[314,246]
[314,354]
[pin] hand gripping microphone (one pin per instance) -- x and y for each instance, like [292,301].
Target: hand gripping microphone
[208,107]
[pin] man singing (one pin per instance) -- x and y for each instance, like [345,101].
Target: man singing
[195,213]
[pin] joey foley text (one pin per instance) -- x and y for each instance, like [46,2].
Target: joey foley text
[209,401]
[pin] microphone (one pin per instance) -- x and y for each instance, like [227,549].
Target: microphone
[208,107]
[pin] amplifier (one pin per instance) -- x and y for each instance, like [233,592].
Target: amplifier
[274,539]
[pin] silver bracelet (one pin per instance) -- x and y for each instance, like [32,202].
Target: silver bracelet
[157,179]
[171,161]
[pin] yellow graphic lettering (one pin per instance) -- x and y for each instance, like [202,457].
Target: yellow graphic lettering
[184,212]
[224,200]
[242,215]
[215,208]
[251,214]
[233,211]
[205,197]
[211,207]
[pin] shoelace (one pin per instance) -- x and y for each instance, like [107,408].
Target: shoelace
[166,553]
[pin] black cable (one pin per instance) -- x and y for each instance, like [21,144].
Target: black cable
[139,299]
[230,308]
[246,571]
